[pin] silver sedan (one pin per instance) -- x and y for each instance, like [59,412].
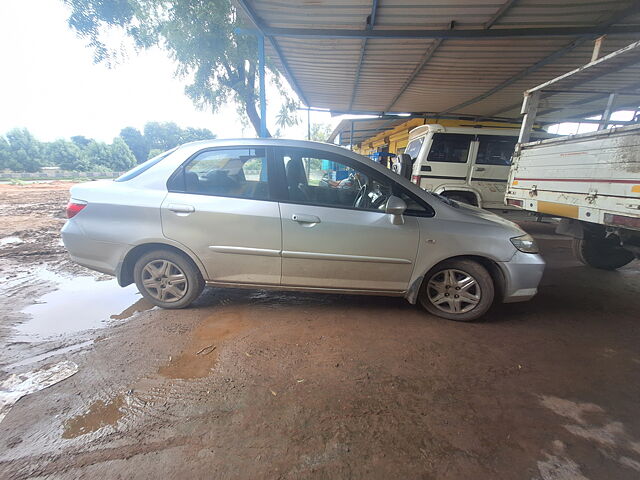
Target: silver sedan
[295,215]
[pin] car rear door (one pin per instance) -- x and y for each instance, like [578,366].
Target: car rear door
[330,243]
[491,168]
[220,207]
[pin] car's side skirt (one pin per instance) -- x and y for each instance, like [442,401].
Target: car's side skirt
[297,288]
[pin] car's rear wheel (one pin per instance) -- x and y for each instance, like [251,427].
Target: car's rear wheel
[460,290]
[168,279]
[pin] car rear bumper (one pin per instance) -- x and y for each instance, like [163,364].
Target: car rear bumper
[97,255]
[522,276]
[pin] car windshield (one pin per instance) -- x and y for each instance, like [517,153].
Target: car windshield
[137,170]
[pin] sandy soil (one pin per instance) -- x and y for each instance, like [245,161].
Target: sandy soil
[252,384]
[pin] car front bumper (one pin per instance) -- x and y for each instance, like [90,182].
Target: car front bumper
[522,276]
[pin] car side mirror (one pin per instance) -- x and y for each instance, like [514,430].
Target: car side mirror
[395,207]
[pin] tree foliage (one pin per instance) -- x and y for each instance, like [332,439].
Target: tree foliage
[201,35]
[136,143]
[24,151]
[320,132]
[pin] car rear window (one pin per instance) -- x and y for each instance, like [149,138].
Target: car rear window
[143,167]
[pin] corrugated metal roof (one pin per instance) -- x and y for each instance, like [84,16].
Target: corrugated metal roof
[363,129]
[586,90]
[349,56]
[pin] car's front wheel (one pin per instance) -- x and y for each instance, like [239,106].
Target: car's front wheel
[460,290]
[168,279]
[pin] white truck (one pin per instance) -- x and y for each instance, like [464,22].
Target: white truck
[466,164]
[591,181]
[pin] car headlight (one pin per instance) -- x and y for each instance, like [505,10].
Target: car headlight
[525,243]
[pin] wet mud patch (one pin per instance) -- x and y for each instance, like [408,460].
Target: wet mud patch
[100,414]
[201,355]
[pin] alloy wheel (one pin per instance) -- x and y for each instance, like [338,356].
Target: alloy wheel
[453,291]
[164,281]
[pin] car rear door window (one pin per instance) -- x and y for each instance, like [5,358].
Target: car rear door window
[233,172]
[495,150]
[450,147]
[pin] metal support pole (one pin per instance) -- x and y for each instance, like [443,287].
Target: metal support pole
[606,116]
[263,95]
[351,137]
[309,123]
[530,110]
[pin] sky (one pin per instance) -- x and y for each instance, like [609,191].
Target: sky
[50,85]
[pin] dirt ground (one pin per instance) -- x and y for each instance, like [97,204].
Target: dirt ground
[255,384]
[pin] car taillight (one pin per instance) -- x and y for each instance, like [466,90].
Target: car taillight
[515,203]
[73,208]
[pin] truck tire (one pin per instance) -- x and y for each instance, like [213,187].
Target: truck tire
[462,198]
[601,253]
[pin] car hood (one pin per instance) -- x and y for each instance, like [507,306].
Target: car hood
[471,214]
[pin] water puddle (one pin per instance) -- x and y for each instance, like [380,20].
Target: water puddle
[100,414]
[17,386]
[10,240]
[78,304]
[49,354]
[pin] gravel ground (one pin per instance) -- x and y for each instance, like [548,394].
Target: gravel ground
[254,384]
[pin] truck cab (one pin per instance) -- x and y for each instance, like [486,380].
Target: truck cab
[466,164]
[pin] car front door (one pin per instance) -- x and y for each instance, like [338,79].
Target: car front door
[491,168]
[220,207]
[335,233]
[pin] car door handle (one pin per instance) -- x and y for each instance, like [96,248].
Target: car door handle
[181,208]
[301,218]
[480,169]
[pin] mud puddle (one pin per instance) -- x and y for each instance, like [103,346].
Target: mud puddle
[78,304]
[197,360]
[100,414]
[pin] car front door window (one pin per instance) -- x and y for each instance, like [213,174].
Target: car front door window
[322,179]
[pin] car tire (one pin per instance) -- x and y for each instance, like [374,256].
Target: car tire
[601,253]
[467,279]
[168,279]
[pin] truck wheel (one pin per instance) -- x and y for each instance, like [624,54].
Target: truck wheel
[602,253]
[460,290]
[460,198]
[168,279]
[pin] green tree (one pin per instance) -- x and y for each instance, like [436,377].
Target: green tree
[66,155]
[288,114]
[320,132]
[155,152]
[201,35]
[97,154]
[25,152]
[136,143]
[191,134]
[80,141]
[121,157]
[5,153]
[162,135]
